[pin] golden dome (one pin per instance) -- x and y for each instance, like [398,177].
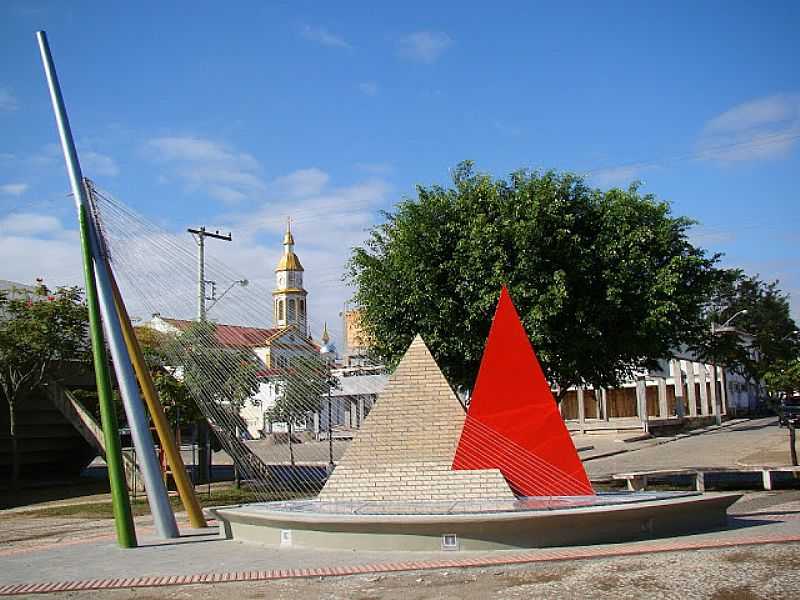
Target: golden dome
[289,262]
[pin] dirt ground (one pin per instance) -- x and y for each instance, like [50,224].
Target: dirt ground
[748,573]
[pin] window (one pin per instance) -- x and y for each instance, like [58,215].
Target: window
[292,310]
[302,307]
[280,310]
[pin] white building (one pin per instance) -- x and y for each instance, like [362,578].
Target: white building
[275,347]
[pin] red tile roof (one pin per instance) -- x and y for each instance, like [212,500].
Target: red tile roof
[232,336]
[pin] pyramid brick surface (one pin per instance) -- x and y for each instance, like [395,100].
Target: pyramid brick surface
[405,448]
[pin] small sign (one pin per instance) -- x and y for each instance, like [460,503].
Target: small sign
[286,537]
[449,541]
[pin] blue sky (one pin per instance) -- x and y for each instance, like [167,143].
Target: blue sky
[237,116]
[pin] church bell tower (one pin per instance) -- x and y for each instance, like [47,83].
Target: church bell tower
[289,297]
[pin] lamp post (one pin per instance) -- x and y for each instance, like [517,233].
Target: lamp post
[214,298]
[715,331]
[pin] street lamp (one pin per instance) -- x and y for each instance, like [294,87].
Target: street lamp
[242,282]
[725,327]
[715,331]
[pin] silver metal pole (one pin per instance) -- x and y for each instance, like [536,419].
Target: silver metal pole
[137,419]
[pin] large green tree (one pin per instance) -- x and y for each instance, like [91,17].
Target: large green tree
[40,336]
[783,378]
[605,282]
[761,312]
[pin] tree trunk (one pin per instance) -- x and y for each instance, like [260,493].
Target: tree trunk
[792,447]
[12,427]
[291,446]
[562,391]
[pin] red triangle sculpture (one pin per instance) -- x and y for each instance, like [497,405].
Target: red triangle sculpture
[513,423]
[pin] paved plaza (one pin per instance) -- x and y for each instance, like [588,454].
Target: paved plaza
[745,442]
[756,556]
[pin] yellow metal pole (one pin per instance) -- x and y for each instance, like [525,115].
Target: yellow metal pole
[182,482]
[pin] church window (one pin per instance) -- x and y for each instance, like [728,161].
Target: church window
[280,310]
[302,308]
[292,310]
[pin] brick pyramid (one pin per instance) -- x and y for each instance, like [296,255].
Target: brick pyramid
[513,422]
[404,450]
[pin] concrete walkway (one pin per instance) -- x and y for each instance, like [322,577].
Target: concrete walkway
[748,442]
[203,557]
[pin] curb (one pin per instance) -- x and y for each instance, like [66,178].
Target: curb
[545,555]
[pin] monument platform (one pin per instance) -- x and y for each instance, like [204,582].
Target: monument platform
[534,522]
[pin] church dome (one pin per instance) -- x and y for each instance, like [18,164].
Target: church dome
[289,260]
[327,347]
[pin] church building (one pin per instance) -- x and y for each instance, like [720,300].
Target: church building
[289,297]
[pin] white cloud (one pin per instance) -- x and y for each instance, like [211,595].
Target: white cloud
[320,35]
[617,176]
[222,172]
[709,236]
[764,128]
[29,224]
[95,164]
[36,245]
[327,222]
[424,46]
[369,88]
[8,102]
[13,189]
[303,182]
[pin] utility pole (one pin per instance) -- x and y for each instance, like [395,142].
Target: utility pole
[199,236]
[204,455]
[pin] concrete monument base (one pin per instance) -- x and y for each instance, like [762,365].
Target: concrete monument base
[485,525]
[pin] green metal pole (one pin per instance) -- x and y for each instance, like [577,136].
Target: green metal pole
[126,534]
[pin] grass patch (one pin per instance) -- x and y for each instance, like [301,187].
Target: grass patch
[220,496]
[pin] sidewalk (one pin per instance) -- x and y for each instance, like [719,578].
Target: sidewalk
[203,557]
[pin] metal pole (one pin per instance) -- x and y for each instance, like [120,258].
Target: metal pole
[143,441]
[123,519]
[200,236]
[330,426]
[717,399]
[171,449]
[154,486]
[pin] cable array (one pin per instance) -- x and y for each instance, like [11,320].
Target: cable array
[242,366]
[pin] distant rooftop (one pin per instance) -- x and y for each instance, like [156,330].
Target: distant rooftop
[232,336]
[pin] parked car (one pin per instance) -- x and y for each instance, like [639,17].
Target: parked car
[790,409]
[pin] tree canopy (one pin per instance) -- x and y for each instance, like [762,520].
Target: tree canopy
[763,315]
[783,378]
[40,335]
[605,282]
